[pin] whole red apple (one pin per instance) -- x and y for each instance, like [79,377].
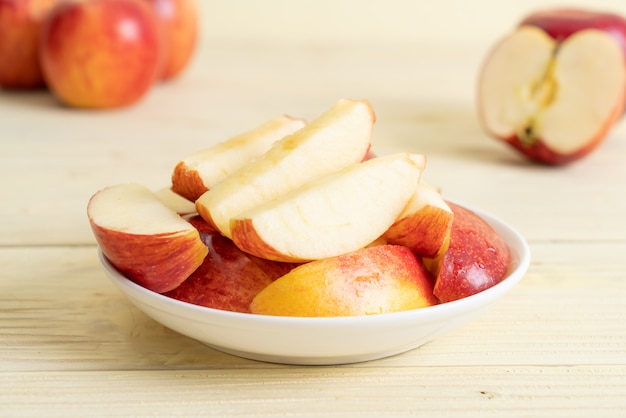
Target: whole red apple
[555,87]
[477,257]
[101,53]
[20,24]
[179,23]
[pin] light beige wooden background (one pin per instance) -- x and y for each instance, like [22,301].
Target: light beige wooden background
[72,345]
[287,21]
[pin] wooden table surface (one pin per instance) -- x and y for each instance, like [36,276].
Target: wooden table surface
[72,345]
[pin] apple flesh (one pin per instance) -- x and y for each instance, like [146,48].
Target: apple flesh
[375,280]
[553,96]
[476,259]
[336,139]
[425,223]
[175,202]
[228,279]
[143,238]
[20,26]
[100,53]
[179,24]
[335,214]
[199,172]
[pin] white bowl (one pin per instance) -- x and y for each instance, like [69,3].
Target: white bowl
[323,341]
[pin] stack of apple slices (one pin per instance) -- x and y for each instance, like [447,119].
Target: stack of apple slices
[298,219]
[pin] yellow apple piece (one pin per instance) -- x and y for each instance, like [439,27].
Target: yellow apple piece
[424,225]
[336,139]
[175,201]
[200,171]
[374,280]
[333,215]
[143,238]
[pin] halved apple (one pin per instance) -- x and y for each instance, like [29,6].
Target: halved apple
[333,215]
[336,139]
[424,224]
[554,100]
[143,238]
[375,280]
[198,172]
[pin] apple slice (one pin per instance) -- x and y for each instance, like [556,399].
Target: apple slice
[143,238]
[375,280]
[175,202]
[333,215]
[552,100]
[336,139]
[476,259]
[198,172]
[424,224]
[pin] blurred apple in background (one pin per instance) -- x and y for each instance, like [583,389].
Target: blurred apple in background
[20,24]
[101,53]
[562,23]
[556,85]
[179,21]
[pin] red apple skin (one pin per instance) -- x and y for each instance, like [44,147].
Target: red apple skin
[228,279]
[101,53]
[20,26]
[158,263]
[539,152]
[425,224]
[563,22]
[179,23]
[477,257]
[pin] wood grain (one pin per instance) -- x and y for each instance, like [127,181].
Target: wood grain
[72,345]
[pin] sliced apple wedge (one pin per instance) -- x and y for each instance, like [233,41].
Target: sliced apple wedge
[334,140]
[333,215]
[198,172]
[143,238]
[554,100]
[425,223]
[386,278]
[176,202]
